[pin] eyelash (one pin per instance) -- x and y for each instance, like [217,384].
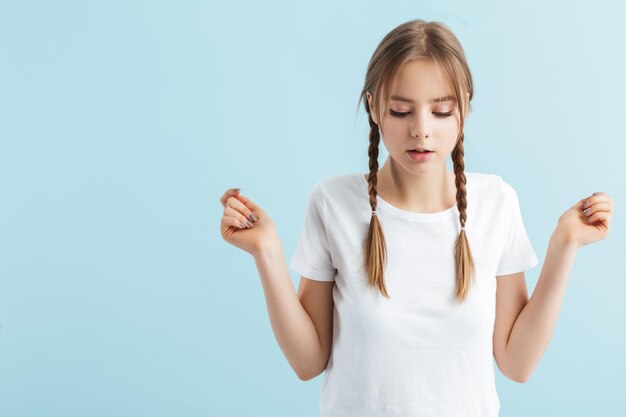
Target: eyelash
[399,114]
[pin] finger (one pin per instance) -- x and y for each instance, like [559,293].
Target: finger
[229,211]
[599,216]
[244,205]
[600,202]
[229,221]
[249,204]
[590,201]
[229,193]
[238,205]
[597,207]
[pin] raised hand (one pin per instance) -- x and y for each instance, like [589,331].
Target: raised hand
[244,223]
[587,221]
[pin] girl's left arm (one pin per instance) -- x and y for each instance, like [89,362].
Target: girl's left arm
[586,222]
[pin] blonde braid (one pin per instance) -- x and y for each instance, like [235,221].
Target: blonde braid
[462,253]
[375,248]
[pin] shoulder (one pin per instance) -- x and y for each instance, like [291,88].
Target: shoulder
[492,188]
[340,194]
[335,188]
[340,186]
[338,181]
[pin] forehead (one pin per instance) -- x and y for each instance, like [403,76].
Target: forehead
[420,81]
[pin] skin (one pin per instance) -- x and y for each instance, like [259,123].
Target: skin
[427,186]
[523,327]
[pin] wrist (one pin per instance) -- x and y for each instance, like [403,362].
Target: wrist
[564,240]
[267,246]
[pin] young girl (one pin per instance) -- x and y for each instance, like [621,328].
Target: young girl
[412,277]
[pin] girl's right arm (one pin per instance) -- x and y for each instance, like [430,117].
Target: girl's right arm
[293,327]
[306,349]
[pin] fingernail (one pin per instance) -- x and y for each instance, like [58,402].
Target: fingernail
[587,211]
[236,190]
[252,217]
[242,226]
[586,203]
[250,225]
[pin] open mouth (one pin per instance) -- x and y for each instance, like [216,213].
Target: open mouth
[420,156]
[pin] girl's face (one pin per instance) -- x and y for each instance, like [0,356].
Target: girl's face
[417,119]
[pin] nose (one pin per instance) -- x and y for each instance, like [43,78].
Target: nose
[420,126]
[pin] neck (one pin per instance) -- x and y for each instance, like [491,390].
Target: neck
[430,191]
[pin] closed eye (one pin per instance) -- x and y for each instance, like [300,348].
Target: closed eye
[403,114]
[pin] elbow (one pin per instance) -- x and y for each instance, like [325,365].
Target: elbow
[313,370]
[306,376]
[305,373]
[302,376]
[519,378]
[516,376]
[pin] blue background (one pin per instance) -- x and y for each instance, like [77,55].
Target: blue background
[122,123]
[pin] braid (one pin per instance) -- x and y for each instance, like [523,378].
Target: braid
[459,179]
[375,248]
[462,254]
[372,152]
[416,40]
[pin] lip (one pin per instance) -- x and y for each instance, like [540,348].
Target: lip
[419,157]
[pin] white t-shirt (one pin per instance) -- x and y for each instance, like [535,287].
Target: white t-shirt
[418,353]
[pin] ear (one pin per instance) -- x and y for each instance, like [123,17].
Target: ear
[372,108]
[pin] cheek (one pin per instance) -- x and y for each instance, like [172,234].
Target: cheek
[448,130]
[451,123]
[445,129]
[393,128]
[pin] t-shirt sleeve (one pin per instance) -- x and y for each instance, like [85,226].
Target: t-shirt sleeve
[311,257]
[518,254]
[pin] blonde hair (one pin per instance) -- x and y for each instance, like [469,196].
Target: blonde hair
[414,40]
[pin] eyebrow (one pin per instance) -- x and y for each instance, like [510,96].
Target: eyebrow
[434,100]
